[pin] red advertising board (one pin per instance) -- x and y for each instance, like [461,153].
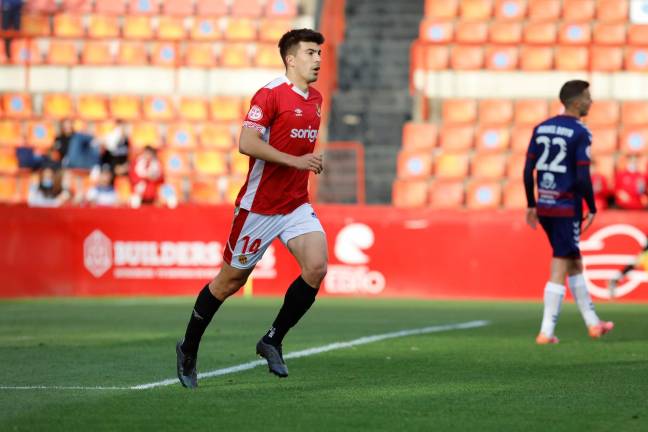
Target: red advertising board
[374,251]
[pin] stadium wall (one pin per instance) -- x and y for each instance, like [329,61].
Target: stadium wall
[374,252]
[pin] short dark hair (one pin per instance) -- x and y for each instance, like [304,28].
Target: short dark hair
[572,89]
[292,38]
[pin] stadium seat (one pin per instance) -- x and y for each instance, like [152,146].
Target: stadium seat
[638,34]
[457,138]
[17,105]
[103,26]
[210,162]
[216,136]
[514,195]
[176,162]
[469,32]
[225,108]
[62,52]
[205,191]
[92,107]
[612,11]
[211,8]
[435,31]
[193,109]
[200,54]
[239,163]
[603,113]
[246,8]
[35,25]
[11,133]
[515,166]
[171,28]
[609,33]
[234,184]
[441,9]
[419,136]
[164,54]
[137,27]
[459,111]
[606,58]
[172,191]
[571,33]
[606,166]
[158,108]
[40,134]
[485,194]
[235,55]
[240,29]
[446,194]
[24,51]
[451,166]
[181,136]
[68,26]
[40,6]
[520,136]
[410,193]
[544,10]
[545,33]
[475,10]
[578,10]
[97,53]
[634,140]
[143,7]
[58,106]
[414,165]
[123,189]
[8,161]
[556,108]
[604,140]
[495,112]
[182,8]
[110,7]
[572,58]
[145,133]
[8,189]
[267,56]
[435,57]
[636,58]
[510,9]
[634,113]
[76,6]
[103,128]
[132,53]
[530,111]
[206,29]
[505,32]
[466,57]
[490,166]
[492,138]
[501,57]
[281,8]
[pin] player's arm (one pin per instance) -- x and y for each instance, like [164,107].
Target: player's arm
[529,186]
[583,178]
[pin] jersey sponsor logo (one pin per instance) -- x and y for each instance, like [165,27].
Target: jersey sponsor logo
[256,113]
[548,181]
[310,134]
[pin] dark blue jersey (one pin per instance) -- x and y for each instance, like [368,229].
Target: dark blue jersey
[558,147]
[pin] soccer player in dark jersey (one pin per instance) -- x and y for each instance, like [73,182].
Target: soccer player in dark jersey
[278,134]
[559,152]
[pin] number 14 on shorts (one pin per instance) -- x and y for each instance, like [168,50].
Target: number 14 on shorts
[253,247]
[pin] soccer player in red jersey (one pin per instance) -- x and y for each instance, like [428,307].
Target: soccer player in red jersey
[278,134]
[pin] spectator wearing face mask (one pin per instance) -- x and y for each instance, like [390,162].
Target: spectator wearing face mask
[49,192]
[630,186]
[103,194]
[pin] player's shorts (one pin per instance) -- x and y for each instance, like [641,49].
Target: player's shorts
[563,234]
[252,233]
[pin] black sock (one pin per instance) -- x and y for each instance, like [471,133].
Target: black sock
[202,314]
[299,298]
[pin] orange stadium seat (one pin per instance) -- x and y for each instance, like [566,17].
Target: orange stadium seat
[447,194]
[62,52]
[638,34]
[211,8]
[240,29]
[76,6]
[171,28]
[181,136]
[110,7]
[486,194]
[181,8]
[239,163]
[246,8]
[24,51]
[572,33]
[410,193]
[92,107]
[137,27]
[466,57]
[281,8]
[143,7]
[205,191]
[17,105]
[636,59]
[40,6]
[510,9]
[515,167]
[506,32]
[419,136]
[514,196]
[97,53]
[164,54]
[414,165]
[3,57]
[634,113]
[492,138]
[451,166]
[457,138]
[634,140]
[495,112]
[103,128]
[267,56]
[435,57]
[225,108]
[158,108]
[490,166]
[578,10]
[132,53]
[145,133]
[612,11]
[206,29]
[459,111]
[35,25]
[123,188]
[11,133]
[605,140]
[603,113]
[234,184]
[200,54]
[103,26]
[556,107]
[58,106]
[609,33]
[530,111]
[216,136]
[175,162]
[475,10]
[545,33]
[572,58]
[520,136]
[606,58]
[501,57]
[544,10]
[432,30]
[68,25]
[441,9]
[40,134]
[471,32]
[193,109]
[8,189]
[8,161]
[210,162]
[235,55]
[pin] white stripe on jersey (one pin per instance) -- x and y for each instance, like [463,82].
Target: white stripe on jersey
[253,184]
[277,82]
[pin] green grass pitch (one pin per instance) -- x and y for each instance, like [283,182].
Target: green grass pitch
[491,378]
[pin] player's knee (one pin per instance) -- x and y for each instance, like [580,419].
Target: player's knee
[222,288]
[314,272]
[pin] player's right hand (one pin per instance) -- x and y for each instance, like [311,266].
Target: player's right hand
[532,217]
[589,219]
[311,162]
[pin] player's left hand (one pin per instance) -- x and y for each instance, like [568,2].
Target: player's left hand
[532,217]
[589,219]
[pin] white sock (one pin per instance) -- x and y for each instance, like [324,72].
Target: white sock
[553,295]
[578,288]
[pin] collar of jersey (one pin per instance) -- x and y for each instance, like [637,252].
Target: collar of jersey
[295,88]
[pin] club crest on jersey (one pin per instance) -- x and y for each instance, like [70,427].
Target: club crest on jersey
[318,110]
[256,113]
[242,259]
[298,112]
[548,181]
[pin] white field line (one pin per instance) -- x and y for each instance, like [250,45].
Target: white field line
[296,354]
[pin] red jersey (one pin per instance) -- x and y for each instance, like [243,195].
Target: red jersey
[630,190]
[288,120]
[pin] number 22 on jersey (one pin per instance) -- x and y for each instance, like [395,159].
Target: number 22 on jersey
[555,164]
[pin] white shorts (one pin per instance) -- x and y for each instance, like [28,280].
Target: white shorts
[252,233]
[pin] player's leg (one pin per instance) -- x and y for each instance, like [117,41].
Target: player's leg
[582,298]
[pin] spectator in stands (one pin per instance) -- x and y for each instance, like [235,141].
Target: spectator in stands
[103,193]
[11,16]
[82,152]
[602,193]
[49,192]
[630,186]
[62,140]
[146,177]
[114,149]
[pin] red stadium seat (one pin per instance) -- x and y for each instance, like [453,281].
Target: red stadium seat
[492,138]
[225,109]
[267,56]
[40,134]
[514,195]
[419,136]
[103,26]
[68,26]
[495,112]
[11,133]
[17,105]
[216,136]
[491,166]
[578,10]
[447,194]
[193,109]
[206,29]
[8,161]
[530,111]
[143,7]
[506,32]
[271,29]
[638,34]
[410,193]
[137,27]
[414,165]
[92,107]
[457,138]
[241,29]
[572,58]
[441,9]
[520,136]
[435,31]
[467,57]
[634,140]
[575,33]
[200,54]
[175,162]
[125,107]
[634,113]
[544,10]
[181,136]
[501,57]
[606,58]
[205,191]
[171,28]
[451,166]
[636,58]
[182,8]
[35,25]
[545,33]
[211,8]
[514,10]
[110,7]
[164,54]
[471,32]
[486,194]
[515,167]
[97,53]
[210,162]
[145,134]
[235,55]
[158,108]
[609,33]
[246,8]
[475,10]
[62,52]
[459,111]
[603,113]
[58,106]
[536,58]
[605,140]
[281,8]
[612,11]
